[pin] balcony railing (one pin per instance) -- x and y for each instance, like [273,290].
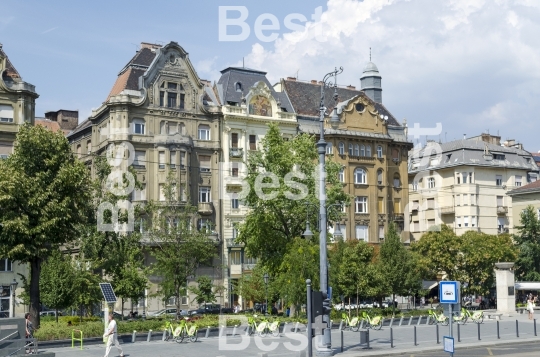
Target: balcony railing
[502,209]
[236,152]
[231,242]
[399,217]
[205,208]
[447,210]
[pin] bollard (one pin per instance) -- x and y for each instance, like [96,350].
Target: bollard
[437,332]
[341,325]
[207,332]
[517,329]
[296,327]
[458,334]
[391,321]
[410,320]
[133,336]
[416,344]
[367,335]
[331,323]
[234,330]
[149,336]
[341,331]
[283,328]
[428,319]
[391,338]
[164,335]
[221,329]
[401,321]
[478,331]
[419,320]
[362,324]
[534,324]
[498,334]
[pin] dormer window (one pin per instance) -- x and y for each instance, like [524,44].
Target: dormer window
[238,86]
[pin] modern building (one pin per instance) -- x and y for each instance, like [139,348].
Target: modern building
[170,116]
[464,184]
[17,107]
[249,104]
[522,197]
[370,144]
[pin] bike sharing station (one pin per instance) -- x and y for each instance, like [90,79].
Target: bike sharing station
[449,295]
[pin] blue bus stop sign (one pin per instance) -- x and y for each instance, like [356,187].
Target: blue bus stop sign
[449,292]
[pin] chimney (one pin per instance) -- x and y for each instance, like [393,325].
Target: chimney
[313,81]
[464,136]
[291,78]
[351,87]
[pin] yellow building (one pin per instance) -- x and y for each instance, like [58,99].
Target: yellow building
[522,197]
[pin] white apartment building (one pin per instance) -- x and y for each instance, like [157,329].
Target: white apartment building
[464,184]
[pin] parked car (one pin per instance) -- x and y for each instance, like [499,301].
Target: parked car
[164,312]
[117,315]
[49,313]
[213,309]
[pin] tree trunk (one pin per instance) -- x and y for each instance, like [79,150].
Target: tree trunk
[357,304]
[122,309]
[349,307]
[35,269]
[292,311]
[393,305]
[56,313]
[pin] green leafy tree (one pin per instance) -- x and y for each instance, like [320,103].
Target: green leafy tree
[177,247]
[528,242]
[44,195]
[251,286]
[277,214]
[204,291]
[56,282]
[86,286]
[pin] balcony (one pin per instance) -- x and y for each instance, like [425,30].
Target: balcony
[236,269]
[205,208]
[447,210]
[362,158]
[236,152]
[399,217]
[232,243]
[214,237]
[502,209]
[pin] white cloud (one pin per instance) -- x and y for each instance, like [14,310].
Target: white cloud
[449,61]
[206,68]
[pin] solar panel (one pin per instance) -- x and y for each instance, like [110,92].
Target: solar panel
[108,293]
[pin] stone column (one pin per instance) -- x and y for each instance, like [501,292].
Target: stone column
[506,297]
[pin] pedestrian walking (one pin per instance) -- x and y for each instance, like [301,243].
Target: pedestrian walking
[530,306]
[112,334]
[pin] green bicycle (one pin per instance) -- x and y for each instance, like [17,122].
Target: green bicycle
[184,331]
[462,319]
[477,316]
[438,318]
[372,323]
[351,324]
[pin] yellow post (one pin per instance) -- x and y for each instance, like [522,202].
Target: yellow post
[73,339]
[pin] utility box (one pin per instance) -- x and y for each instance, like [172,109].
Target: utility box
[363,337]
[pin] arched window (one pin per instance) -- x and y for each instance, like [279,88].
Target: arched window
[397,181]
[368,150]
[360,176]
[341,148]
[238,86]
[379,176]
[356,150]
[362,150]
[329,148]
[342,174]
[379,152]
[351,152]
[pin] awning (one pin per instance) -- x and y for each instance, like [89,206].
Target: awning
[527,285]
[429,284]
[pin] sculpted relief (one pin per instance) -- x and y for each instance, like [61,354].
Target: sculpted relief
[260,105]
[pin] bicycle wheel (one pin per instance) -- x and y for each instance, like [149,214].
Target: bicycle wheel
[432,320]
[356,327]
[378,326]
[275,333]
[263,332]
[180,337]
[480,320]
[194,337]
[445,322]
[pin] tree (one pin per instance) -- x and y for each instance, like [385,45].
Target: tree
[396,265]
[277,215]
[44,195]
[204,291]
[56,282]
[177,247]
[86,286]
[251,286]
[528,243]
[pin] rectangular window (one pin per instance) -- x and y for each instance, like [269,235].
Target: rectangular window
[499,201]
[458,221]
[416,226]
[431,182]
[234,170]
[379,152]
[458,179]
[430,223]
[473,199]
[182,159]
[341,149]
[380,204]
[161,159]
[204,161]
[342,175]
[138,128]
[328,148]
[252,142]
[234,203]
[473,221]
[161,192]
[183,196]
[139,194]
[6,114]
[381,232]
[362,232]
[430,203]
[6,264]
[235,257]
[351,152]
[415,186]
[518,180]
[465,221]
[204,132]
[172,129]
[204,194]
[464,176]
[465,199]
[498,180]
[458,199]
[234,140]
[172,86]
[235,231]
[173,160]
[182,101]
[361,204]
[161,99]
[397,183]
[470,177]
[397,205]
[171,100]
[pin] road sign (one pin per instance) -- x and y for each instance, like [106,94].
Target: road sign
[108,293]
[449,292]
[448,344]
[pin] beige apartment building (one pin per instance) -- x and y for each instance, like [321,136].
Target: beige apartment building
[17,107]
[249,104]
[170,116]
[464,184]
[522,197]
[370,144]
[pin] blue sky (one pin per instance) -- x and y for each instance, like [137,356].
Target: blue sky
[473,65]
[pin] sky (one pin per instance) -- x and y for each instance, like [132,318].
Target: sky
[471,65]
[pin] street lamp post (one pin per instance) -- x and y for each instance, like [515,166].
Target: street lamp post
[325,347]
[13,286]
[266,277]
